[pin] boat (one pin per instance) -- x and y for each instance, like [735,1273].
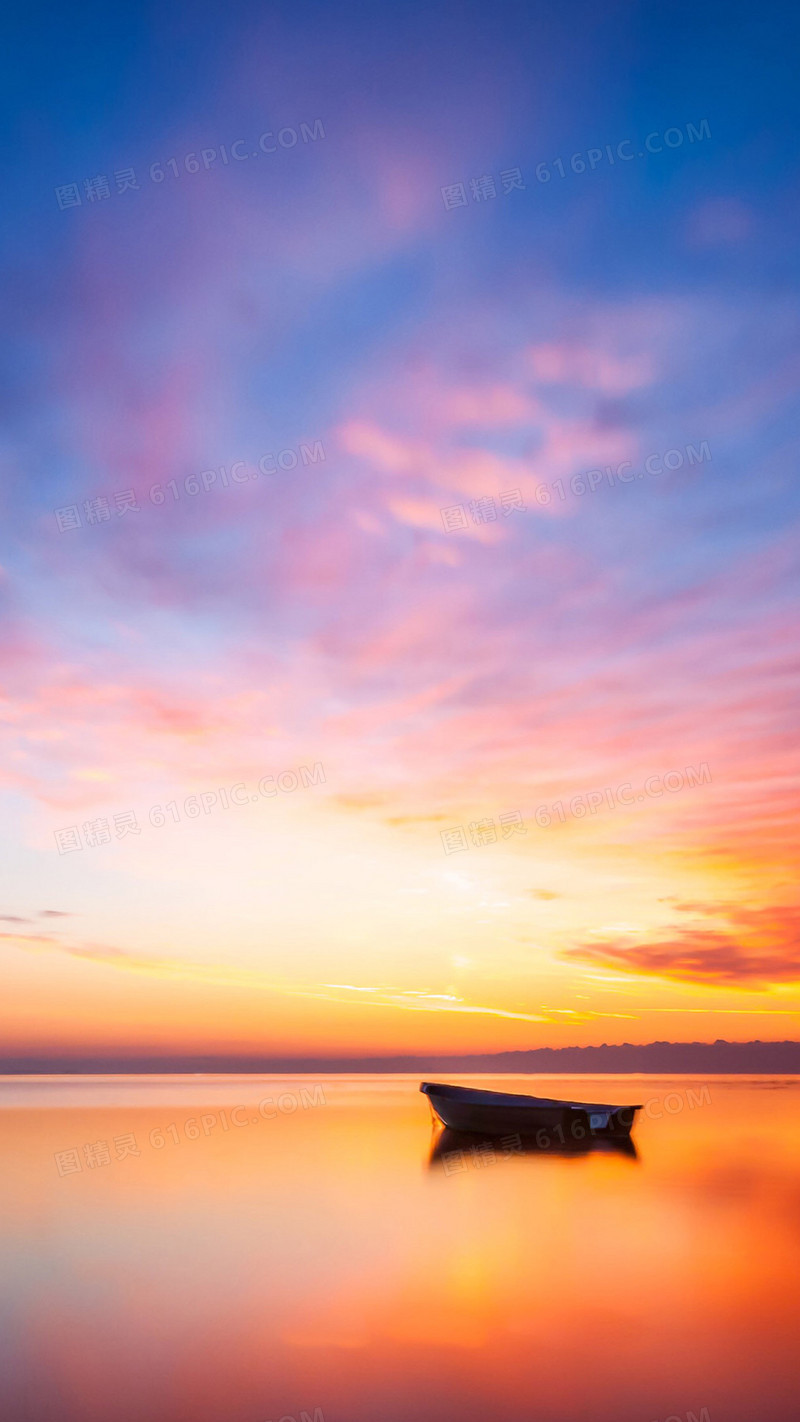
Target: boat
[500,1113]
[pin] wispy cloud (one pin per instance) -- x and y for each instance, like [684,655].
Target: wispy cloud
[110,956]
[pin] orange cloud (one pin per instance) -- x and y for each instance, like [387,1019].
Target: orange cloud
[761,947]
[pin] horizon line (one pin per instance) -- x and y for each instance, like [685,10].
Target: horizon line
[755,1054]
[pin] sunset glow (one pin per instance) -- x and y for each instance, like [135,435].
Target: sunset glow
[420,673]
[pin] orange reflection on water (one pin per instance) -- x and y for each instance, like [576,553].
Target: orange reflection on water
[327,1258]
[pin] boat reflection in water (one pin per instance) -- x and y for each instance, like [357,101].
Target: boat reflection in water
[446,1143]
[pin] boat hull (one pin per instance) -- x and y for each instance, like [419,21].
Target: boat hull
[488,1113]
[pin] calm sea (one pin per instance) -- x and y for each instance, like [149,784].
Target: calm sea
[242,1249]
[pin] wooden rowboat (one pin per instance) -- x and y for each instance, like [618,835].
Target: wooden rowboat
[500,1113]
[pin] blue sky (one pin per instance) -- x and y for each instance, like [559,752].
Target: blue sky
[429,351]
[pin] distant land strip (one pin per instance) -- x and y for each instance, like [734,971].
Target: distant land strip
[690,1058]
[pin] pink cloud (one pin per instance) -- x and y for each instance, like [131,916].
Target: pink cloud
[593,368]
[348,588]
[423,513]
[388,452]
[337,609]
[487,406]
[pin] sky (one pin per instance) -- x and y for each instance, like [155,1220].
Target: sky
[399,527]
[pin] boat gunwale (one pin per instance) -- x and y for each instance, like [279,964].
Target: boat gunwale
[514,1100]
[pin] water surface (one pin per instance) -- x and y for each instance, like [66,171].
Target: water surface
[245,1249]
